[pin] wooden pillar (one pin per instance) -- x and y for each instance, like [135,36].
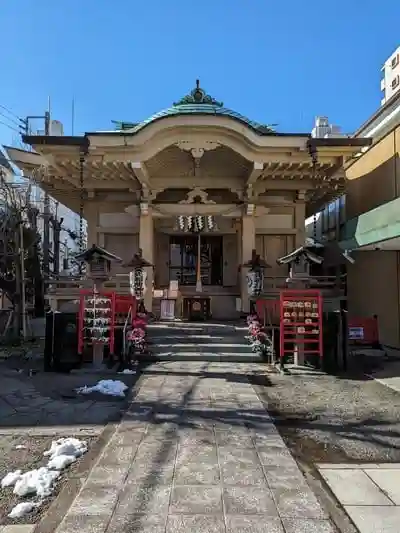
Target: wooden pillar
[248,245]
[146,243]
[300,219]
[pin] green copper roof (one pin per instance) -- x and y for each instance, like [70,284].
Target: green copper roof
[197,102]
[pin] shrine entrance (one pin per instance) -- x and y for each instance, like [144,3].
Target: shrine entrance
[183,250]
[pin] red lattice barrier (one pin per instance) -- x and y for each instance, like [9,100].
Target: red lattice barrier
[301,321]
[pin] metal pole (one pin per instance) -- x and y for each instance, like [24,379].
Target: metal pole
[46,209]
[199,287]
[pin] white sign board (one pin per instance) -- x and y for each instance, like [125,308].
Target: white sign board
[356,333]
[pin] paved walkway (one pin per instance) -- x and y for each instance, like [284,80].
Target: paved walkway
[370,493]
[196,452]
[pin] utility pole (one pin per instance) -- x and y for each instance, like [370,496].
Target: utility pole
[46,210]
[25,129]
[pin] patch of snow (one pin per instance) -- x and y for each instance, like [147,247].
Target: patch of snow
[64,452]
[38,481]
[127,371]
[10,479]
[21,509]
[108,387]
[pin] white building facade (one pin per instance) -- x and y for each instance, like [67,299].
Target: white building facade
[390,82]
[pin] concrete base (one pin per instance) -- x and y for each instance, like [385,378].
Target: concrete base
[98,355]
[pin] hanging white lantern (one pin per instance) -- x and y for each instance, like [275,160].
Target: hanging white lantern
[255,280]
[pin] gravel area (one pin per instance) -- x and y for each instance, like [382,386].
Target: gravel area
[334,419]
[26,459]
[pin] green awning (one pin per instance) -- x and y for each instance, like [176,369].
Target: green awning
[379,224]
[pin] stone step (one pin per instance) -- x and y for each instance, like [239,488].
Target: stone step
[199,341]
[200,348]
[196,339]
[204,356]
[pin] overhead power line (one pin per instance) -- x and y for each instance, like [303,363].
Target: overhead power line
[10,127]
[10,112]
[18,124]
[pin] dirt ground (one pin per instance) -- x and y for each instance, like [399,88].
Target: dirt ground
[38,407]
[334,419]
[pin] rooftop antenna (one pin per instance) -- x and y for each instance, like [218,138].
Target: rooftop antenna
[73,116]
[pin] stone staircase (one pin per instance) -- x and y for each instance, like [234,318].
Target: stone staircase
[197,341]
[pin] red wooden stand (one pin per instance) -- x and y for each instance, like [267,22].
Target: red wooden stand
[301,321]
[85,295]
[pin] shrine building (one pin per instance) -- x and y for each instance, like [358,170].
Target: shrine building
[142,185]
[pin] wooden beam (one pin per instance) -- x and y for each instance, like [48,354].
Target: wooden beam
[141,173]
[255,172]
[176,182]
[282,185]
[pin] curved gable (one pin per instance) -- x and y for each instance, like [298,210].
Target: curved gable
[198,103]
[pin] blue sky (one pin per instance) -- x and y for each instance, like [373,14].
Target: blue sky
[275,61]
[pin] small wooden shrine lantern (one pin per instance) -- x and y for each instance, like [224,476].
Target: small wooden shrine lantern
[299,261]
[98,261]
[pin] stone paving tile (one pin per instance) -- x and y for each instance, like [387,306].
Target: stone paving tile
[249,500]
[18,528]
[109,474]
[307,525]
[127,522]
[195,523]
[95,499]
[388,481]
[196,500]
[197,473]
[144,500]
[298,502]
[276,456]
[284,478]
[253,524]
[354,487]
[81,523]
[375,519]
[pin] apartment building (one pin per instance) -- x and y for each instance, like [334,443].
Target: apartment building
[390,81]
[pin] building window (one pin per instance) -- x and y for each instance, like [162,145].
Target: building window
[395,82]
[395,61]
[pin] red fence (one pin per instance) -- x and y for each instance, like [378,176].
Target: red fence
[362,330]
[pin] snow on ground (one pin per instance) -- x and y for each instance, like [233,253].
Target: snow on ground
[127,371]
[40,482]
[109,387]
